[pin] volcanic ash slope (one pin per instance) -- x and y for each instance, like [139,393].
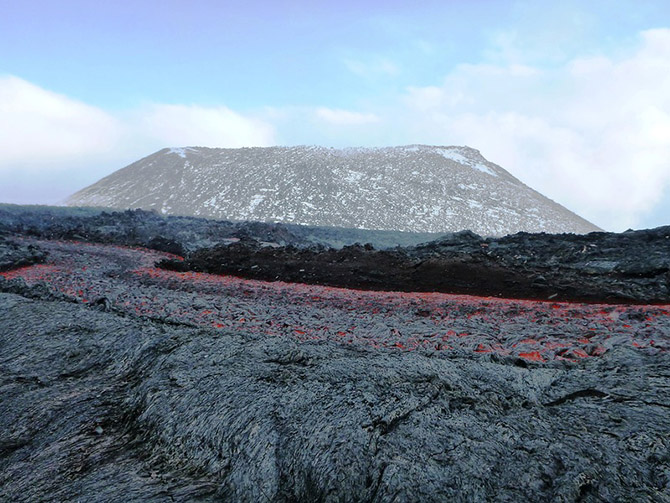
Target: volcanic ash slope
[413,188]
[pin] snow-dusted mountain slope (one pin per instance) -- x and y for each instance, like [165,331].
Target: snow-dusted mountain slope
[411,188]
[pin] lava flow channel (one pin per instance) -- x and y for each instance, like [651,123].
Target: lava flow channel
[530,330]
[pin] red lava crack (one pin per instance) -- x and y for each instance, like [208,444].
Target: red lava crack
[529,330]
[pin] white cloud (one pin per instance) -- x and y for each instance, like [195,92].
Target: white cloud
[37,125]
[200,126]
[52,145]
[593,134]
[344,117]
[41,130]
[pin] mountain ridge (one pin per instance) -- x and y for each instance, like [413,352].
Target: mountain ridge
[418,188]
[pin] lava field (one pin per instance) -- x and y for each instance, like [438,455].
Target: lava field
[126,280]
[124,381]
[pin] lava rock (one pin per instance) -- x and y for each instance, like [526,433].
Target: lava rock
[199,415]
[14,255]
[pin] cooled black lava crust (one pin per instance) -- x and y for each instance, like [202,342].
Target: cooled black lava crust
[123,382]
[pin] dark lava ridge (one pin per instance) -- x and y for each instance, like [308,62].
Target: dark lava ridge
[631,267]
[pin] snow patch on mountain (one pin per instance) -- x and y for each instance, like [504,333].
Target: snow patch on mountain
[181,152]
[455,155]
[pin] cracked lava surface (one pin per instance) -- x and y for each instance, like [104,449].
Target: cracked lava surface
[530,331]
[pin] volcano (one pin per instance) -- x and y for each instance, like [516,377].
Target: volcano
[415,188]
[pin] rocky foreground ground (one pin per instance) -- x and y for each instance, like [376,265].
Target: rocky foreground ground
[121,381]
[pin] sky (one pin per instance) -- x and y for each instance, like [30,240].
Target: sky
[571,97]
